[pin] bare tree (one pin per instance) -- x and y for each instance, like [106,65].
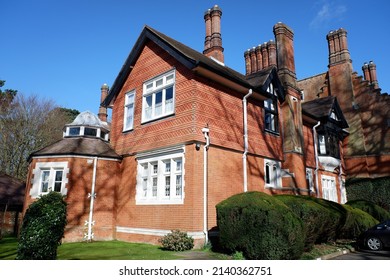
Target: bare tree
[26,125]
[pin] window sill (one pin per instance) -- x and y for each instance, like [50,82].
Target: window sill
[157,119]
[274,133]
[160,202]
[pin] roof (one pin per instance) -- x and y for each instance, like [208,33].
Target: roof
[82,146]
[11,190]
[322,108]
[193,60]
[88,118]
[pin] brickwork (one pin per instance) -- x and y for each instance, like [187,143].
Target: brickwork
[79,186]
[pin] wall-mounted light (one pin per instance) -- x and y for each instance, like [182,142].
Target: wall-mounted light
[197,146]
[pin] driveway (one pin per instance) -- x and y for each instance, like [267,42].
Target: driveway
[365,255]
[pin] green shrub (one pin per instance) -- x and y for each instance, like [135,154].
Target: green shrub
[320,222]
[43,228]
[373,209]
[375,190]
[356,222]
[260,226]
[177,241]
[332,219]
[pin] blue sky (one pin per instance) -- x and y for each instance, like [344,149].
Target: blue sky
[65,50]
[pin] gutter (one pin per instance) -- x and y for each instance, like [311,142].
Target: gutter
[316,154]
[244,156]
[205,131]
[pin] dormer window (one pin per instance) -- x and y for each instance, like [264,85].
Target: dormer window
[328,143]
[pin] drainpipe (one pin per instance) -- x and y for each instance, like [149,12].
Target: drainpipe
[244,105]
[316,154]
[341,183]
[205,131]
[92,196]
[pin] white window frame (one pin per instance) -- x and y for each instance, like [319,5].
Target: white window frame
[52,167]
[329,188]
[129,109]
[151,89]
[147,191]
[271,116]
[309,179]
[272,174]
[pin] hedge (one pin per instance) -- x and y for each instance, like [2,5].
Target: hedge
[260,226]
[375,190]
[374,210]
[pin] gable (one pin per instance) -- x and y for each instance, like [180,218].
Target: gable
[325,109]
[196,62]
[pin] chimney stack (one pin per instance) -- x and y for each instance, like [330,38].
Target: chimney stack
[213,40]
[285,53]
[260,57]
[338,47]
[102,115]
[369,71]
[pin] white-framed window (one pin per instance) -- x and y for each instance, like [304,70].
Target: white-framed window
[309,179]
[128,121]
[49,176]
[329,191]
[271,119]
[272,174]
[158,97]
[160,177]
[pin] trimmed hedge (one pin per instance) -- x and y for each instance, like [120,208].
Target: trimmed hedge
[375,190]
[356,222]
[374,210]
[334,218]
[321,223]
[43,228]
[260,226]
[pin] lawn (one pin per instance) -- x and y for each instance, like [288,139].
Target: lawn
[99,250]
[118,250]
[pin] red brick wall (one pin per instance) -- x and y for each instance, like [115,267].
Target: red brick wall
[78,187]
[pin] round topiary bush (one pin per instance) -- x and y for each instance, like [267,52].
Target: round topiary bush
[43,228]
[371,208]
[177,241]
[260,226]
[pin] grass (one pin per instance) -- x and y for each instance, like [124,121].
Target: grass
[119,250]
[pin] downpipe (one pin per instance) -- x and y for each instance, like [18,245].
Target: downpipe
[315,138]
[205,132]
[244,155]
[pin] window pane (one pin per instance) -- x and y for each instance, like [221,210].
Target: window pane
[58,175]
[90,131]
[57,186]
[178,185]
[267,174]
[167,186]
[178,165]
[129,116]
[74,131]
[158,108]
[144,187]
[159,83]
[169,100]
[167,166]
[45,181]
[155,168]
[154,187]
[148,107]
